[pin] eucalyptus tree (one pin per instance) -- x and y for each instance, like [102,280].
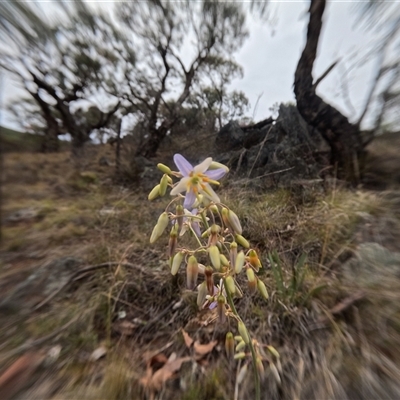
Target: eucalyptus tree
[61,60]
[166,68]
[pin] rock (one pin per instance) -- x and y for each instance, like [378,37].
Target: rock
[24,214]
[278,152]
[42,282]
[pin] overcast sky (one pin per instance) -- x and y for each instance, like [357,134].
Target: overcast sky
[270,55]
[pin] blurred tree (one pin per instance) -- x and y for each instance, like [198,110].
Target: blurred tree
[61,62]
[161,80]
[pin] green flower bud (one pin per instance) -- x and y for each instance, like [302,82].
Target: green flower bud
[230,285]
[192,272]
[234,222]
[214,231]
[242,241]
[159,229]
[201,295]
[173,240]
[240,346]
[240,356]
[243,332]
[163,185]
[260,366]
[176,262]
[217,165]
[273,351]
[214,209]
[250,275]
[214,257]
[239,262]
[164,168]
[262,289]
[155,192]
[233,254]
[229,344]
[224,260]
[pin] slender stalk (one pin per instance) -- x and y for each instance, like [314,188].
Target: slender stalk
[253,352]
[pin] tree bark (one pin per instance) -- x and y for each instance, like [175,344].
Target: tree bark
[344,138]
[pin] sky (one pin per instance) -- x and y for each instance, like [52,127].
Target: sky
[270,55]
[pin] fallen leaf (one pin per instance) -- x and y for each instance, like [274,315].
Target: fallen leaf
[188,340]
[98,353]
[166,372]
[203,349]
[19,374]
[125,328]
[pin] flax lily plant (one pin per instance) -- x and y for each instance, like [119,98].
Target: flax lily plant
[220,252]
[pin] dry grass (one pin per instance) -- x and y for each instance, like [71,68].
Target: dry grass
[332,344]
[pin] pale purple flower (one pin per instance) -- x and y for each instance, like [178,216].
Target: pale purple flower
[196,180]
[188,220]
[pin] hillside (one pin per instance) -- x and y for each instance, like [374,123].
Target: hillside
[90,309]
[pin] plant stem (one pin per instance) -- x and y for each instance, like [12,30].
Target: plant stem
[253,352]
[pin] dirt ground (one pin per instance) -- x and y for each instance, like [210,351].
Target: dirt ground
[89,309]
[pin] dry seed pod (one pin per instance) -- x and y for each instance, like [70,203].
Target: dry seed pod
[176,262]
[221,308]
[214,257]
[155,192]
[239,262]
[208,271]
[173,240]
[179,213]
[254,260]
[192,272]
[229,345]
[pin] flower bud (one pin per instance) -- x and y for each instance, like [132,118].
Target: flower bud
[239,356]
[217,165]
[176,262]
[163,185]
[230,285]
[239,262]
[213,238]
[262,289]
[224,260]
[209,280]
[201,268]
[206,233]
[155,192]
[159,229]
[214,257]
[254,260]
[243,332]
[201,294]
[164,168]
[225,219]
[252,280]
[229,345]
[260,366]
[273,351]
[242,241]
[179,213]
[192,272]
[214,209]
[240,346]
[234,222]
[221,308]
[173,240]
[233,254]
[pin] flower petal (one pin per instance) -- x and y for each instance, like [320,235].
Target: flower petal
[196,228]
[216,173]
[180,187]
[189,199]
[184,166]
[209,192]
[203,166]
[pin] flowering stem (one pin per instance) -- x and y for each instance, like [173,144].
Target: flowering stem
[253,352]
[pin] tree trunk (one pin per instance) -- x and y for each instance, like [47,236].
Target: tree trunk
[118,151]
[50,143]
[344,138]
[150,146]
